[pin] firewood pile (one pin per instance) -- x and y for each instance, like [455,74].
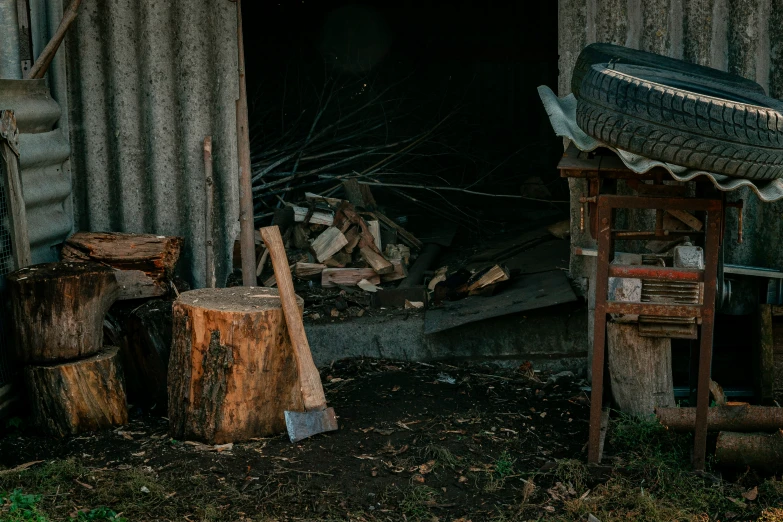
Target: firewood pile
[333,244]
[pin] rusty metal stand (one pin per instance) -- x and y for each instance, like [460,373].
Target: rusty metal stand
[659,197]
[704,313]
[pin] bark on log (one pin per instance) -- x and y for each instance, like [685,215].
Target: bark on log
[143,335]
[761,451]
[78,396]
[640,369]
[724,418]
[232,371]
[58,310]
[156,256]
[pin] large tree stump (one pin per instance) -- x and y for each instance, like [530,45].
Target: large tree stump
[762,452]
[143,335]
[640,369]
[232,371]
[58,310]
[78,396]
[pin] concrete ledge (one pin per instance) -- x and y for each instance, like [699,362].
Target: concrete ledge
[553,338]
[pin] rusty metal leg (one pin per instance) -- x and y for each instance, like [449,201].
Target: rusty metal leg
[605,255]
[711,246]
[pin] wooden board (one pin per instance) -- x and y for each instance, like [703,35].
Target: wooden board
[331,277]
[528,292]
[17,216]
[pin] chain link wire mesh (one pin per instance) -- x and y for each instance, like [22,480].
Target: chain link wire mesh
[6,267]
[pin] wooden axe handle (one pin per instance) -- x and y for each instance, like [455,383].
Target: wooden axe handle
[309,379]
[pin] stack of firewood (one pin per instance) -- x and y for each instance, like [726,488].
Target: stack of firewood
[330,241]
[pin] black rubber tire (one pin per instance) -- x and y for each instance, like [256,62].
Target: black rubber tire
[682,119]
[608,53]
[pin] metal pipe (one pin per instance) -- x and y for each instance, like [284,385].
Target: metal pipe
[246,233]
[10,60]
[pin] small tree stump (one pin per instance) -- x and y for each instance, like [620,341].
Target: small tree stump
[232,371]
[640,369]
[78,396]
[58,310]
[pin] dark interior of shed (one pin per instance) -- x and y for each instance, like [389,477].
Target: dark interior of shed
[447,90]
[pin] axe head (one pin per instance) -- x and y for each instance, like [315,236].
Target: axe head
[306,424]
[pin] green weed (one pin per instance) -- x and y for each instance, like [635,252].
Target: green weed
[504,465]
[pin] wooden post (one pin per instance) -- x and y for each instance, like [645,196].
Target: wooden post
[58,310]
[640,369]
[78,396]
[12,183]
[246,218]
[208,212]
[232,370]
[765,355]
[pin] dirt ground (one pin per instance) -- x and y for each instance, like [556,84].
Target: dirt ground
[417,442]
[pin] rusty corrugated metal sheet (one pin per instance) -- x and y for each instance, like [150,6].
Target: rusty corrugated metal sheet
[742,36]
[147,81]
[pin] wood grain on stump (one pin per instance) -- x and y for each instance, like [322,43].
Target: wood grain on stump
[232,371]
[58,310]
[78,396]
[640,369]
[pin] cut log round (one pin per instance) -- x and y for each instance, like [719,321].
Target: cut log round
[143,335]
[640,369]
[58,310]
[78,396]
[724,418]
[232,371]
[761,451]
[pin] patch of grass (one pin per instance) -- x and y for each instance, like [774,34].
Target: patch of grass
[441,455]
[573,472]
[100,514]
[504,465]
[414,503]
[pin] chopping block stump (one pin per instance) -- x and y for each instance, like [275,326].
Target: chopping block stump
[232,371]
[58,310]
[78,396]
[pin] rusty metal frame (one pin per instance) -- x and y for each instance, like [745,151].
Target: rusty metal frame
[606,236]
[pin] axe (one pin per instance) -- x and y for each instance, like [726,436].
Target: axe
[316,418]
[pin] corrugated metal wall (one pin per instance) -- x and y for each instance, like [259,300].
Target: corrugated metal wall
[741,36]
[147,81]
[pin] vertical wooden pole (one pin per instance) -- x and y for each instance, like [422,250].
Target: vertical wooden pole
[209,209]
[246,230]
[9,177]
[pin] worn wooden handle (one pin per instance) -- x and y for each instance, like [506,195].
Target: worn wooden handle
[309,379]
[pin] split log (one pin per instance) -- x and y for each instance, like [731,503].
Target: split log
[483,279]
[359,195]
[724,418]
[156,256]
[143,335]
[331,277]
[347,215]
[375,230]
[640,369]
[762,452]
[58,309]
[232,371]
[328,243]
[400,272]
[405,236]
[308,270]
[317,217]
[78,396]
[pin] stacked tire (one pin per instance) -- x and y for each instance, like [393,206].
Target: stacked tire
[679,113]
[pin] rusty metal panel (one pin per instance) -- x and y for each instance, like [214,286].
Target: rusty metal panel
[741,36]
[147,82]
